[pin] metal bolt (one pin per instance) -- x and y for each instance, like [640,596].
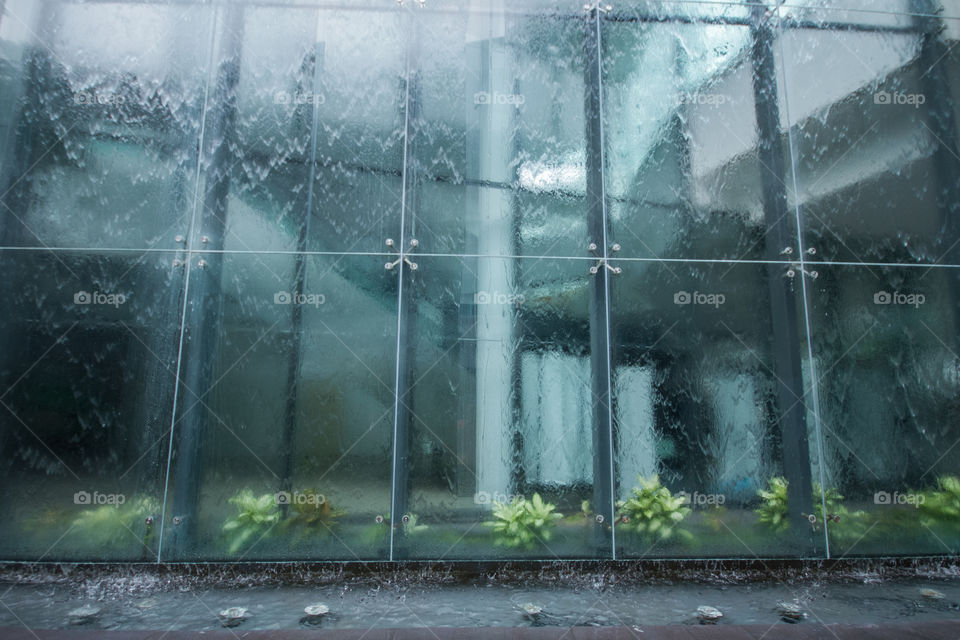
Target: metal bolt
[178,238]
[593,271]
[405,519]
[389,242]
[599,517]
[617,270]
[379,519]
[202,264]
[414,242]
[814,274]
[204,239]
[787,251]
[615,247]
[413,266]
[177,263]
[812,519]
[791,273]
[177,520]
[592,246]
[388,266]
[149,520]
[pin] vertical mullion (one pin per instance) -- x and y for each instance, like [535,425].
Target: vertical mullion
[200,318]
[790,407]
[402,414]
[602,419]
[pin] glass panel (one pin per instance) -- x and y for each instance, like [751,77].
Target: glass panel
[87,372]
[497,134]
[343,70]
[876,145]
[499,408]
[684,177]
[695,396]
[885,344]
[101,123]
[298,399]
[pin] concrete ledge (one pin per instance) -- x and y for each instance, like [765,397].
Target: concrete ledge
[945,630]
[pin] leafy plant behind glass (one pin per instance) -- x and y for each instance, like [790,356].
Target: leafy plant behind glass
[845,526]
[773,506]
[256,515]
[653,512]
[311,516]
[942,505]
[111,525]
[523,523]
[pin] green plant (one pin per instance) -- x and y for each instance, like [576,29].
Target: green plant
[773,508]
[942,505]
[845,526]
[522,522]
[311,515]
[115,524]
[653,512]
[255,516]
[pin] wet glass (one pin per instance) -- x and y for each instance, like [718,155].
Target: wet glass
[496,134]
[695,397]
[87,374]
[283,451]
[102,113]
[885,346]
[314,126]
[497,414]
[684,175]
[875,147]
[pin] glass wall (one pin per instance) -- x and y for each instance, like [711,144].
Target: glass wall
[388,281]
